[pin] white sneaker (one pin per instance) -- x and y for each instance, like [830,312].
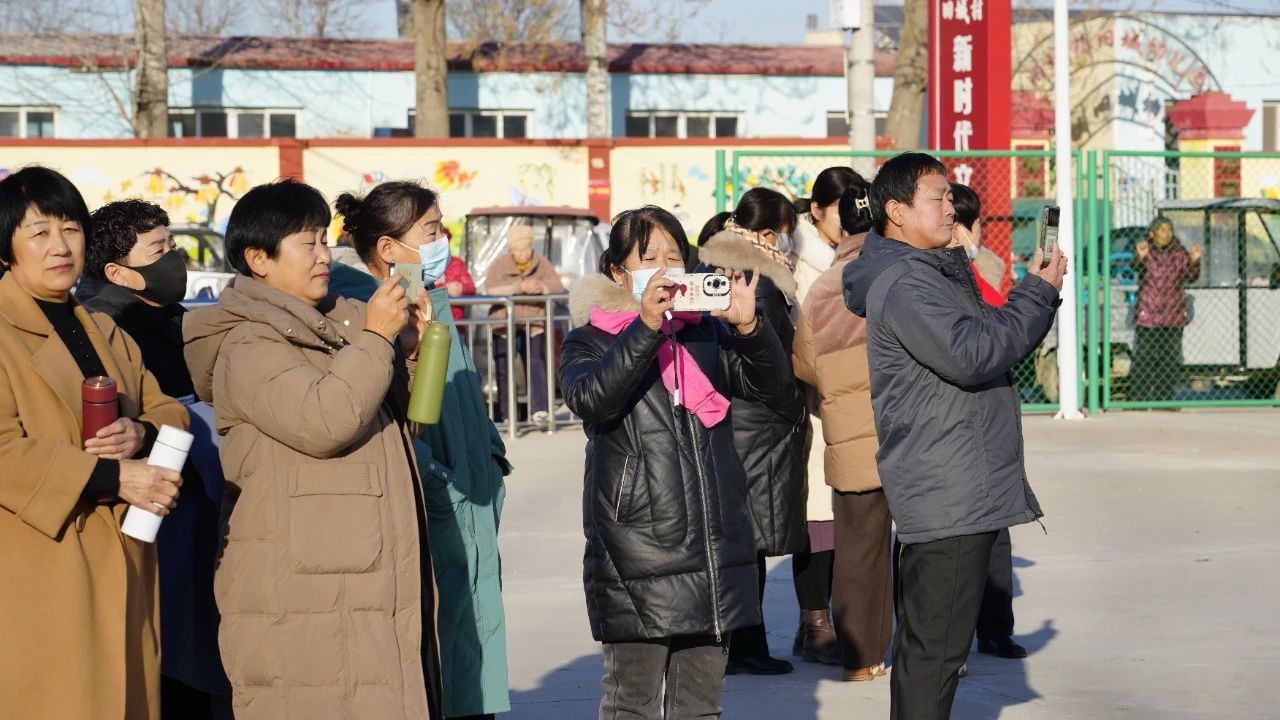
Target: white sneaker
[541,419]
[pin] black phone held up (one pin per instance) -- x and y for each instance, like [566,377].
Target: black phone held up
[1048,233]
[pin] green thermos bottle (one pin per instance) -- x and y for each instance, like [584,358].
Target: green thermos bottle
[428,382]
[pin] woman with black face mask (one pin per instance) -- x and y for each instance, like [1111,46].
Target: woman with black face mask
[142,279]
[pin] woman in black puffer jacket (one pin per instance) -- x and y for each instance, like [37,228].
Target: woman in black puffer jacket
[773,445]
[670,558]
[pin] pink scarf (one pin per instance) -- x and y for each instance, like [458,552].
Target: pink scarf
[698,394]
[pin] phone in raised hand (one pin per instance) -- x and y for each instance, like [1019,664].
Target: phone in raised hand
[1048,233]
[410,276]
[700,292]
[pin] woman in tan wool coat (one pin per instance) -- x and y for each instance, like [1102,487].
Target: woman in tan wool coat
[830,354]
[325,584]
[79,621]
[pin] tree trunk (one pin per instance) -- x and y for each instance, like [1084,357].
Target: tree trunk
[151,91]
[594,15]
[430,67]
[910,76]
[404,18]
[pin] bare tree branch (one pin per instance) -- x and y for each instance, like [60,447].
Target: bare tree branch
[315,18]
[477,22]
[203,17]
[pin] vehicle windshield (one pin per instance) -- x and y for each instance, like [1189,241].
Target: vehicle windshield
[204,251]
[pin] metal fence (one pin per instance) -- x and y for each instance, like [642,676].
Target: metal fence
[1225,350]
[1190,265]
[505,351]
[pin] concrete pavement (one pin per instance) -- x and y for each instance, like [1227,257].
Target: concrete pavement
[1153,595]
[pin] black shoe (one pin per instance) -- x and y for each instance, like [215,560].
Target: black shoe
[757,666]
[1005,648]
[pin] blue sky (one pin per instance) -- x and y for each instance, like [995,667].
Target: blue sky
[771,21]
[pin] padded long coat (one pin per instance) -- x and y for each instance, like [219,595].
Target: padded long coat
[324,579]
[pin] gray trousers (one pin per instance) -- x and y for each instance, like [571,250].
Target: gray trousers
[673,678]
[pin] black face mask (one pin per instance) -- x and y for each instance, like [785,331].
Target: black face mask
[166,279]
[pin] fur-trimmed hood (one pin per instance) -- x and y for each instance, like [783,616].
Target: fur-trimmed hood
[990,267]
[729,250]
[599,291]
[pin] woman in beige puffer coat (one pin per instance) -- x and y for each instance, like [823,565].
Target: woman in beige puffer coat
[324,582]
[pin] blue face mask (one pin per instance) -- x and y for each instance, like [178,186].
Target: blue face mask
[640,278]
[434,257]
[786,243]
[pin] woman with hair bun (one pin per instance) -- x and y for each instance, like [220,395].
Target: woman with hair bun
[834,361]
[461,459]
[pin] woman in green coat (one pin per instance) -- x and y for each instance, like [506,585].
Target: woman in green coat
[462,459]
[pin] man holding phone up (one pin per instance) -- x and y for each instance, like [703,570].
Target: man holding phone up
[947,417]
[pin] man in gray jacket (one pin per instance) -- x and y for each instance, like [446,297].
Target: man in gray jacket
[947,416]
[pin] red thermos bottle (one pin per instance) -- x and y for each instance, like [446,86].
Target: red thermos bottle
[100,407]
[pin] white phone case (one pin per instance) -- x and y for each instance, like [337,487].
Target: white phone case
[701,292]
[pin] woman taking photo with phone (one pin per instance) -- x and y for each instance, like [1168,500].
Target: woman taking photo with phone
[462,459]
[324,582]
[670,558]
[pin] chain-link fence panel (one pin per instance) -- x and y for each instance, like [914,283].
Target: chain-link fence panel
[1014,187]
[1191,279]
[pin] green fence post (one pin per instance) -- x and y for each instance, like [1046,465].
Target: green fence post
[1104,257]
[734,178]
[1077,211]
[1091,272]
[721,201]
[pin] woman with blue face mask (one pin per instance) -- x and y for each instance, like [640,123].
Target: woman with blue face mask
[670,562]
[462,460]
[773,447]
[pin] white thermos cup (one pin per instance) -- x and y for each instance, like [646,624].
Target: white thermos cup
[169,452]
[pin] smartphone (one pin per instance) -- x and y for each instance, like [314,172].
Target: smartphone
[1048,233]
[410,278]
[700,292]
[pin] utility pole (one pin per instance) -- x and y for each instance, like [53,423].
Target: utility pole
[858,16]
[1068,342]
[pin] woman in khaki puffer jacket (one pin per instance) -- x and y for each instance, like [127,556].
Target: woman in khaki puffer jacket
[830,355]
[324,582]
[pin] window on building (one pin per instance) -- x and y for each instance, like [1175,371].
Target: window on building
[28,122]
[838,124]
[680,124]
[488,123]
[232,122]
[472,124]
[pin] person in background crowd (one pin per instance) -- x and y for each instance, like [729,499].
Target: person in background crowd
[756,237]
[666,582]
[324,582]
[988,269]
[457,278]
[143,277]
[1164,269]
[811,569]
[523,271]
[830,355]
[462,459]
[818,232]
[78,616]
[995,618]
[939,359]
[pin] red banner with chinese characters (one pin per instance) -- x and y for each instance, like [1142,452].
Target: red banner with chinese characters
[970,85]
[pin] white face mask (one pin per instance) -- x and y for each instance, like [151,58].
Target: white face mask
[640,278]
